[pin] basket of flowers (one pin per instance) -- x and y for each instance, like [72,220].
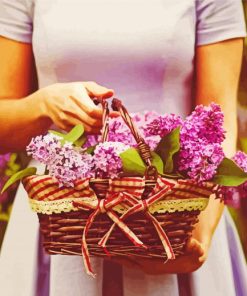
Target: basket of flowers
[136,189]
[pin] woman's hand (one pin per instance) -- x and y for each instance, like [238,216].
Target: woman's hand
[194,257]
[69,104]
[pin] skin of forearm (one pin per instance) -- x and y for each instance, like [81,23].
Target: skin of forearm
[209,218]
[218,69]
[20,120]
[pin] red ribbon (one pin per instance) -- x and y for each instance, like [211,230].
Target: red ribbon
[105,206]
[142,206]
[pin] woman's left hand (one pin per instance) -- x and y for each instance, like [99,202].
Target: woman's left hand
[195,255]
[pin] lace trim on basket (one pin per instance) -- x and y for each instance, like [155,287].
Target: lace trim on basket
[163,206]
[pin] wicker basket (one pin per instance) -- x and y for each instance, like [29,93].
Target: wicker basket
[149,217]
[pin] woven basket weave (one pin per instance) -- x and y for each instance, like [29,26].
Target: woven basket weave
[82,221]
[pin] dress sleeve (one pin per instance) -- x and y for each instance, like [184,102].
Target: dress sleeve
[16,20]
[219,20]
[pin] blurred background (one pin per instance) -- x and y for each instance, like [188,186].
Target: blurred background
[240,215]
[11,163]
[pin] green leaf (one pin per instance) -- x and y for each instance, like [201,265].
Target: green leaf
[229,174]
[75,133]
[132,162]
[157,162]
[167,148]
[81,141]
[72,136]
[90,150]
[134,165]
[18,176]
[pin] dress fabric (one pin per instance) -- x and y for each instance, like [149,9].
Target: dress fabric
[144,50]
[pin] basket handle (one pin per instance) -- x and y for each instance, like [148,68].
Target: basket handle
[144,149]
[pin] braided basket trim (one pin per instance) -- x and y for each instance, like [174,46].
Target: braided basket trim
[163,206]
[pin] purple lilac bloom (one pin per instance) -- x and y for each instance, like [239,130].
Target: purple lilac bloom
[230,195]
[64,162]
[241,160]
[162,125]
[107,162]
[200,138]
[70,165]
[92,140]
[205,124]
[233,195]
[199,161]
[120,132]
[44,148]
[4,158]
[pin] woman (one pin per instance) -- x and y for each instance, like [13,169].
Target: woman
[149,53]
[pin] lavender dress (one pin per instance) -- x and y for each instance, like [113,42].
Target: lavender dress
[145,51]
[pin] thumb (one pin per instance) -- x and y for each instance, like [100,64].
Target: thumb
[96,90]
[194,247]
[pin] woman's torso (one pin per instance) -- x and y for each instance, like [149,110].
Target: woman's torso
[142,49]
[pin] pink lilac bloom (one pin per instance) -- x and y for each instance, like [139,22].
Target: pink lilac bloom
[107,162]
[92,140]
[162,125]
[204,124]
[233,195]
[44,148]
[200,138]
[4,158]
[120,132]
[241,160]
[70,164]
[200,162]
[64,162]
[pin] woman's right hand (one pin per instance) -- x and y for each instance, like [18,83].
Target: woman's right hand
[69,104]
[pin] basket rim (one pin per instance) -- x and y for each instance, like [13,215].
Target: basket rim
[161,207]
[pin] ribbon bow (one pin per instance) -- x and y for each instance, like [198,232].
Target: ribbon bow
[135,205]
[105,206]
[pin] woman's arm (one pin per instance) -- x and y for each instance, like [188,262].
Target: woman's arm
[24,114]
[217,75]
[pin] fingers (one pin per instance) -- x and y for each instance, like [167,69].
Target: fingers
[81,115]
[98,91]
[85,91]
[86,104]
[193,246]
[66,122]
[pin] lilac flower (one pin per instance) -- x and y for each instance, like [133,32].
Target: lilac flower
[120,132]
[230,195]
[107,162]
[64,162]
[4,158]
[70,164]
[92,140]
[204,124]
[233,195]
[200,138]
[200,162]
[241,160]
[162,125]
[44,148]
